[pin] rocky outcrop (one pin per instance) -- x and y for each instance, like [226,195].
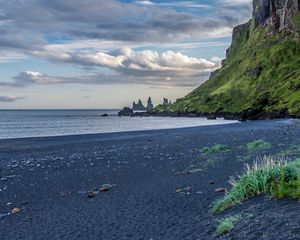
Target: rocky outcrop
[138,106]
[275,13]
[149,105]
[126,112]
[166,102]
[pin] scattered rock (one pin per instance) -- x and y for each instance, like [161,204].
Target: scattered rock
[186,189]
[126,111]
[211,116]
[28,219]
[106,187]
[211,182]
[15,211]
[219,190]
[92,194]
[63,194]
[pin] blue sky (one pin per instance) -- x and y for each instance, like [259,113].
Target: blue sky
[108,53]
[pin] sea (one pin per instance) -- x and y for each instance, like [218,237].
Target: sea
[42,123]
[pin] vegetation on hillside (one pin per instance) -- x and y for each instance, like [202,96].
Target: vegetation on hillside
[261,72]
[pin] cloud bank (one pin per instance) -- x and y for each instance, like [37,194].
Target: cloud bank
[128,66]
[88,34]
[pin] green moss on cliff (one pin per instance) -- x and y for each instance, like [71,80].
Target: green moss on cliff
[261,72]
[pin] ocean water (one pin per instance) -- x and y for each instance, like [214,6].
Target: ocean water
[40,123]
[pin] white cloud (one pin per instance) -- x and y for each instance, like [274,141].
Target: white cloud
[9,98]
[135,63]
[182,4]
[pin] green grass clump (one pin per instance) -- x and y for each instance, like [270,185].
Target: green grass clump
[275,177]
[225,225]
[217,148]
[258,144]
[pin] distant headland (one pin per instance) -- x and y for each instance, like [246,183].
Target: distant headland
[139,109]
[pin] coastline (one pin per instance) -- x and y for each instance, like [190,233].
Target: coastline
[239,116]
[54,175]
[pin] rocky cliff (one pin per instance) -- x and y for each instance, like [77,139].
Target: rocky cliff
[260,77]
[275,13]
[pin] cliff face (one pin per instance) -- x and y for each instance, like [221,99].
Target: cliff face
[261,72]
[275,13]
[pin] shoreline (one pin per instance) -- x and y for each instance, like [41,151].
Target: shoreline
[147,131]
[239,116]
[161,174]
[126,131]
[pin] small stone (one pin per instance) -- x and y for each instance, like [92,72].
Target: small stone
[106,187]
[28,219]
[211,182]
[92,194]
[219,190]
[63,194]
[187,189]
[15,211]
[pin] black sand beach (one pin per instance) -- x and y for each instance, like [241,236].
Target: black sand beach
[160,184]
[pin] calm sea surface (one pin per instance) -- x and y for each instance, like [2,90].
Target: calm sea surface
[39,123]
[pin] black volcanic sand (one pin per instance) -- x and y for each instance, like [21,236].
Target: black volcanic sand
[50,179]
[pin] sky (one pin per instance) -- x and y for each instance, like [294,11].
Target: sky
[94,54]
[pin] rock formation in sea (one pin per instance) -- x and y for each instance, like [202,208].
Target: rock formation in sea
[126,111]
[166,102]
[138,106]
[149,105]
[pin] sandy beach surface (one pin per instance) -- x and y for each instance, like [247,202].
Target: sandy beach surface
[152,185]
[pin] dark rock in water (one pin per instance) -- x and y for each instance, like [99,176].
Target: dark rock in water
[149,105]
[138,106]
[211,182]
[143,114]
[167,114]
[259,114]
[126,111]
[104,115]
[211,116]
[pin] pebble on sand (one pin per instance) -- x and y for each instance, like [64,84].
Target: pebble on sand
[92,194]
[106,187]
[15,211]
[219,190]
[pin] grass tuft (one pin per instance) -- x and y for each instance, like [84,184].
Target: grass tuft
[267,175]
[225,225]
[217,148]
[258,144]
